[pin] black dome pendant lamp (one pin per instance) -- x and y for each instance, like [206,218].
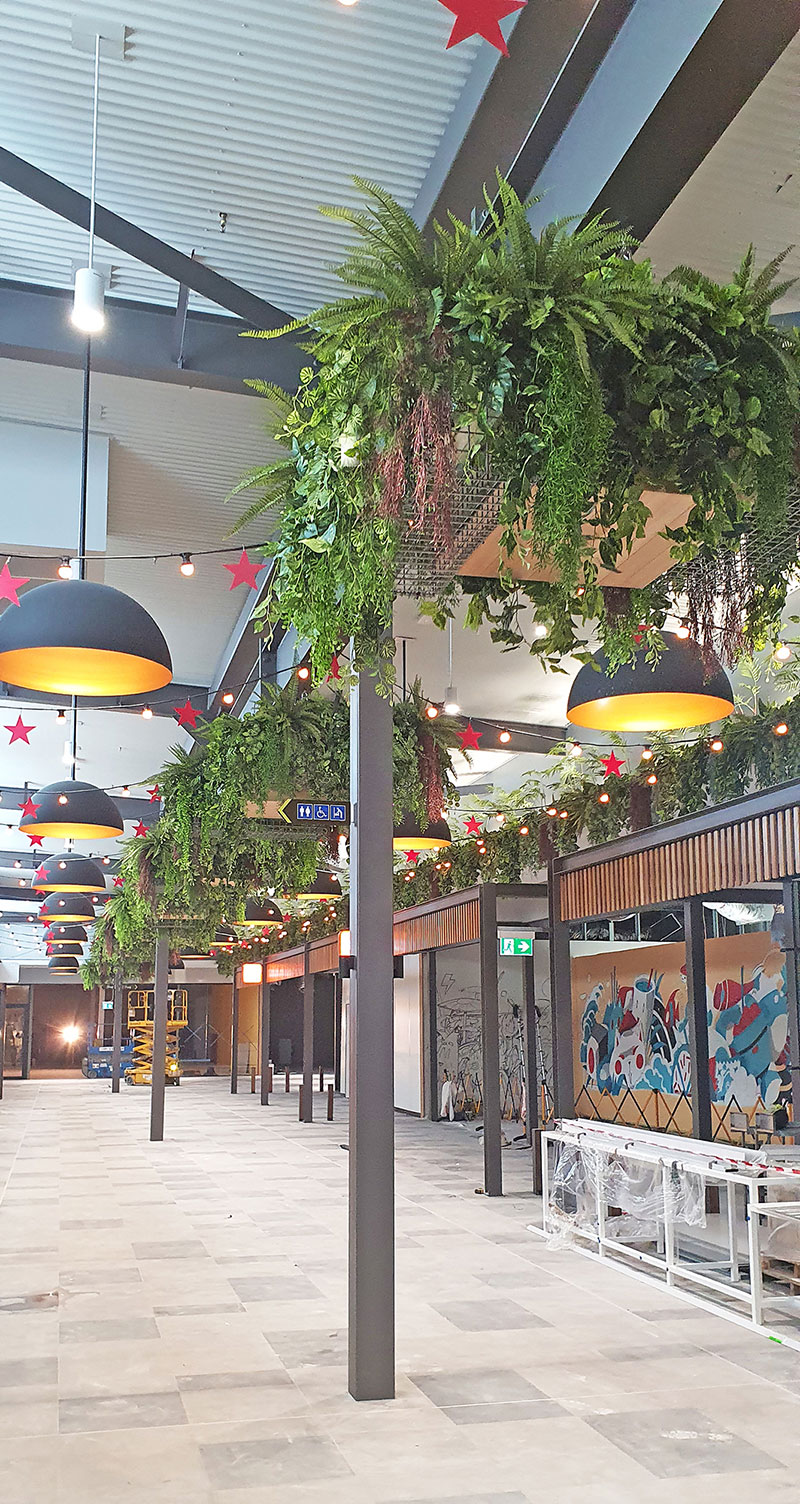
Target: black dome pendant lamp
[68,965]
[69,873]
[64,948]
[73,810]
[62,932]
[259,913]
[409,835]
[686,687]
[325,886]
[62,908]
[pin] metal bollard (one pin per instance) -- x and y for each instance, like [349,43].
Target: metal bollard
[252,1079]
[330,1104]
[288,1083]
[322,1080]
[300,1104]
[269,1078]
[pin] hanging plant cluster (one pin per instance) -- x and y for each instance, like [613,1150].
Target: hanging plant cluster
[216,845]
[559,366]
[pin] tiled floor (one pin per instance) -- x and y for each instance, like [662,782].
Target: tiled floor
[172,1329]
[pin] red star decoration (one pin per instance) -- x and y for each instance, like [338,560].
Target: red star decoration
[154,793]
[612,765]
[413,857]
[187,715]
[335,671]
[244,571]
[10,584]
[473,827]
[117,882]
[481,18]
[641,633]
[33,838]
[29,809]
[469,738]
[140,829]
[19,731]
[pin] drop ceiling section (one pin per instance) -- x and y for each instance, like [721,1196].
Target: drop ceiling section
[746,191]
[257,110]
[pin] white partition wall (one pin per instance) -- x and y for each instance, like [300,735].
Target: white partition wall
[408,1037]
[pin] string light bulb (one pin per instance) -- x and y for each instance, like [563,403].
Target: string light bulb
[576,750]
[61,717]
[65,570]
[782,652]
[647,754]
[228,697]
[505,737]
[604,798]
[781,729]
[431,712]
[62,799]
[186,565]
[652,779]
[304,672]
[523,830]
[147,713]
[682,631]
[716,744]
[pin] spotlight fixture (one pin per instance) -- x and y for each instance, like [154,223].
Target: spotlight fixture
[409,835]
[431,712]
[147,714]
[186,566]
[781,729]
[782,652]
[451,705]
[683,688]
[61,717]
[716,744]
[505,737]
[73,809]
[228,697]
[65,570]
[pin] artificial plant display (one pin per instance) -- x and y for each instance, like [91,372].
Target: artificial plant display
[565,369]
[214,845]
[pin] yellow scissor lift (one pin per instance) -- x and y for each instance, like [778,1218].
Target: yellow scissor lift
[140,1024]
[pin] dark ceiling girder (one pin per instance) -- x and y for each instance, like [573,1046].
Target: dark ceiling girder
[556,50]
[736,51]
[56,196]
[144,341]
[162,702]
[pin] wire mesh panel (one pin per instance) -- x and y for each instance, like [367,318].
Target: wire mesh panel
[423,569]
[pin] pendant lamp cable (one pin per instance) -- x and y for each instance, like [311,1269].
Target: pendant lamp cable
[450,649]
[87,379]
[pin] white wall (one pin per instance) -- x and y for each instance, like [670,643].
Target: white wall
[407,1037]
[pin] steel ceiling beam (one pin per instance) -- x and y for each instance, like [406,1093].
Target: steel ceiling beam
[735,52]
[145,341]
[68,204]
[554,55]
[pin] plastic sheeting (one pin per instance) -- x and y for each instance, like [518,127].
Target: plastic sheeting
[632,1197]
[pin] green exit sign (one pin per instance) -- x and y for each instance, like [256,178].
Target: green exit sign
[516,947]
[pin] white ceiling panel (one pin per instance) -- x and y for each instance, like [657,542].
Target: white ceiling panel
[258,110]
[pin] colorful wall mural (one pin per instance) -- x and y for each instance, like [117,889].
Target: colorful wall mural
[631,1030]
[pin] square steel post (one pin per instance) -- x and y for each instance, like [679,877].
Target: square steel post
[430,1042]
[530,1027]
[116,1036]
[266,998]
[234,1036]
[490,1043]
[697,1011]
[337,1033]
[2,1035]
[308,1038]
[159,1071]
[791,910]
[561,1004]
[371,1049]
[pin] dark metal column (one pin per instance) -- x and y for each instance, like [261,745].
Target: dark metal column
[27,1038]
[116,1036]
[266,998]
[371,1049]
[308,1039]
[561,1005]
[490,1042]
[2,1035]
[791,947]
[697,1013]
[159,1072]
[429,1037]
[337,1033]
[234,1036]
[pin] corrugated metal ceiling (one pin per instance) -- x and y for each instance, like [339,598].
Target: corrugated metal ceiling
[256,109]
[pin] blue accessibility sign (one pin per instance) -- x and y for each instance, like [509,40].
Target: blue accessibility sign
[339,813]
[322,812]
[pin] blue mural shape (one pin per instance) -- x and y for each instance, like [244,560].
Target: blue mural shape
[636,1037]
